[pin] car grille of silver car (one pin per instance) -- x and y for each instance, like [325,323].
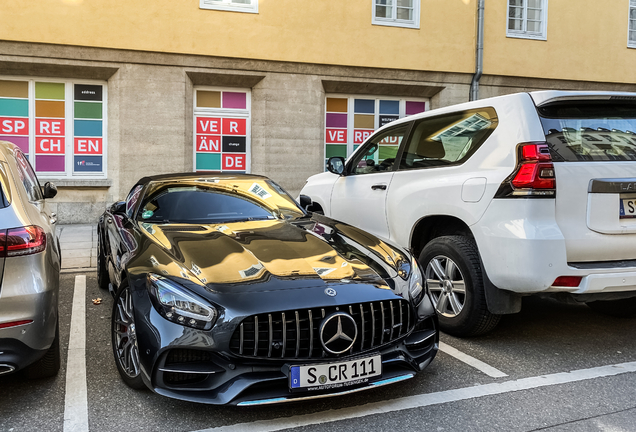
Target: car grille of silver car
[295,334]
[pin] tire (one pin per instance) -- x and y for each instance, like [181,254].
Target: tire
[102,272]
[48,365]
[124,339]
[455,282]
[624,308]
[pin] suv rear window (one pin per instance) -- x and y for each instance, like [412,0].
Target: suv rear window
[590,131]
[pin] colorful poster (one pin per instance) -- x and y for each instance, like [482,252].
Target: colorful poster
[88,129]
[221,140]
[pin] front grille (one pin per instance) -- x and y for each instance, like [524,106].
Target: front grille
[177,356]
[295,334]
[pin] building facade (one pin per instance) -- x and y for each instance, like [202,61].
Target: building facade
[100,93]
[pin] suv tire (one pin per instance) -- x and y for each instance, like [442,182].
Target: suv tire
[454,276]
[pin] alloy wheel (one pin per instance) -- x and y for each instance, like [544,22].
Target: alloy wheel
[446,285]
[125,336]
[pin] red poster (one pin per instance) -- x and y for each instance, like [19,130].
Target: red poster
[233,126]
[361,135]
[49,127]
[336,136]
[14,125]
[49,145]
[209,143]
[236,162]
[208,125]
[88,146]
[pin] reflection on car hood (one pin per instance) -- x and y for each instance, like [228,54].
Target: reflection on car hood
[306,251]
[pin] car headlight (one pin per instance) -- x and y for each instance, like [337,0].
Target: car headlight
[416,282]
[178,305]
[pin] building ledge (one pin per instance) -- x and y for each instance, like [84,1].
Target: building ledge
[79,183]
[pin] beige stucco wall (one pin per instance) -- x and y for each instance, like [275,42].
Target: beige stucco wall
[306,31]
[586,40]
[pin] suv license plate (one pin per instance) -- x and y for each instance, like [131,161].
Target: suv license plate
[628,208]
[333,375]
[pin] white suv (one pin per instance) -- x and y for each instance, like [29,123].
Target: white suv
[500,198]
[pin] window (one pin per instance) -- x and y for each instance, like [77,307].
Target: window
[379,154]
[230,5]
[59,125]
[398,13]
[631,38]
[350,120]
[28,178]
[527,19]
[448,139]
[221,130]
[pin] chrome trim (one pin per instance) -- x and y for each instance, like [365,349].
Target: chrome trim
[284,336]
[297,335]
[382,329]
[362,319]
[5,369]
[311,333]
[241,339]
[293,399]
[271,335]
[255,335]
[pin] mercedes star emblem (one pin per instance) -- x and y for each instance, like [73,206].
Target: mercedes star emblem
[331,292]
[338,332]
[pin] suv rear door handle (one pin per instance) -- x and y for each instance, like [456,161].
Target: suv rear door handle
[381,186]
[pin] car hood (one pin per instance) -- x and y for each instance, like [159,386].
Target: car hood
[243,256]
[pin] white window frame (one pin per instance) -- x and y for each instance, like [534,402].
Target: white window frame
[631,24]
[394,22]
[524,34]
[224,113]
[228,5]
[69,117]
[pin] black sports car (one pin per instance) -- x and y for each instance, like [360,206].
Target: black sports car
[227,291]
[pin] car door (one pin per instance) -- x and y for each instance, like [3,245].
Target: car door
[359,197]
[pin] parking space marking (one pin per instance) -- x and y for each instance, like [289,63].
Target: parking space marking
[427,399]
[76,398]
[471,361]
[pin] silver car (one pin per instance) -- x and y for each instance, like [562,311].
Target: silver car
[29,270]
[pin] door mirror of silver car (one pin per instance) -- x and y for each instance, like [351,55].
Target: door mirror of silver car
[336,165]
[49,190]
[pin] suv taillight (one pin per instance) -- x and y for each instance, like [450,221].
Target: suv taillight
[22,241]
[534,175]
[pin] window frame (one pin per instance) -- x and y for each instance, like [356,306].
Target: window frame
[228,6]
[394,21]
[524,34]
[246,114]
[69,172]
[630,21]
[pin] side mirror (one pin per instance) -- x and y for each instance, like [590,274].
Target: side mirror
[305,202]
[336,165]
[118,208]
[49,190]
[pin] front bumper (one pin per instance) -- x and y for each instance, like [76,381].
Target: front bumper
[198,366]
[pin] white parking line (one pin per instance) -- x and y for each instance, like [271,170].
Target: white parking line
[471,361]
[423,400]
[76,400]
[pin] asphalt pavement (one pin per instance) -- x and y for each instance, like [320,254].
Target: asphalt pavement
[553,367]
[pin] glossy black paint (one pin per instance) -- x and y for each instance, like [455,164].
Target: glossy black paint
[286,256]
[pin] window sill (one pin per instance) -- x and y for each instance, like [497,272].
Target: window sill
[411,25]
[78,183]
[527,36]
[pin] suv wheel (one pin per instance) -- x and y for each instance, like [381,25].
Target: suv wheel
[454,276]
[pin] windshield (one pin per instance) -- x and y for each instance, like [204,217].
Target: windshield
[193,202]
[590,131]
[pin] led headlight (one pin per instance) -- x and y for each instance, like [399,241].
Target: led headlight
[416,283]
[177,304]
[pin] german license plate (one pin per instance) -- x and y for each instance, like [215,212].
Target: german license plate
[334,375]
[628,208]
